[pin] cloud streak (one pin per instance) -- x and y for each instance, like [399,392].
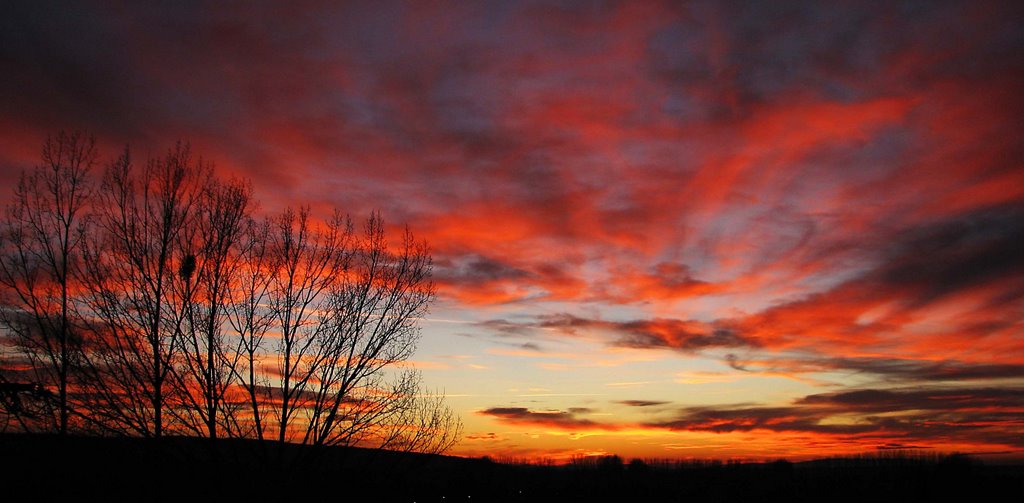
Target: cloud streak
[882,418]
[570,419]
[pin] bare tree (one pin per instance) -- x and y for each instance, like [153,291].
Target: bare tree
[250,320]
[370,326]
[135,285]
[179,312]
[41,242]
[347,307]
[306,261]
[213,260]
[419,421]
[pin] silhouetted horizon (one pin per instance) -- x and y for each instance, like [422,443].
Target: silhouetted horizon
[122,467]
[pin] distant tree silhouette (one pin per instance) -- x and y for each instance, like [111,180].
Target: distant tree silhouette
[161,304]
[41,245]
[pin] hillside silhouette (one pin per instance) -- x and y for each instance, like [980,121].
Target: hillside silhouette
[176,468]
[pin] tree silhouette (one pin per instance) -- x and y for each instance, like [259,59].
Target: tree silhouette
[250,320]
[305,261]
[211,262]
[136,298]
[164,305]
[41,243]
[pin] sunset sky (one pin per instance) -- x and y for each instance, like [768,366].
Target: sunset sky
[660,230]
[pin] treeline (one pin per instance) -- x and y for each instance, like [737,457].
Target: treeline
[239,470]
[148,299]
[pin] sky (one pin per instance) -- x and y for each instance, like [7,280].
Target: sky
[743,230]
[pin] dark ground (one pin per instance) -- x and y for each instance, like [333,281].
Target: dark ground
[188,469]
